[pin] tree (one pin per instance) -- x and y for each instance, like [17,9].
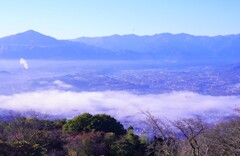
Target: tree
[89,143]
[165,140]
[193,131]
[31,133]
[99,122]
[105,123]
[226,138]
[79,123]
[22,148]
[128,145]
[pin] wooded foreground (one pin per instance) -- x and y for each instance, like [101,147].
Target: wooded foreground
[101,134]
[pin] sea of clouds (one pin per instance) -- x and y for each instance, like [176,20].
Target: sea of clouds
[122,105]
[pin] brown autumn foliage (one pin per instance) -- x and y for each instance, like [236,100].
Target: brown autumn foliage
[185,137]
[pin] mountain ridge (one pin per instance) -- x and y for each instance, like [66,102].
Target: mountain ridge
[176,47]
[34,45]
[29,37]
[165,47]
[164,33]
[96,41]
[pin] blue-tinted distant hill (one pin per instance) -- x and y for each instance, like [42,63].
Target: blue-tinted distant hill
[166,48]
[173,47]
[33,45]
[29,38]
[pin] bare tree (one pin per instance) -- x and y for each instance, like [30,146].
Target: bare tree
[194,137]
[164,137]
[193,131]
[226,137]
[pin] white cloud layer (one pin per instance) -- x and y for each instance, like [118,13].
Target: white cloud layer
[120,104]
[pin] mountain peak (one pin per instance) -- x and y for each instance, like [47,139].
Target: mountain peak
[29,37]
[31,32]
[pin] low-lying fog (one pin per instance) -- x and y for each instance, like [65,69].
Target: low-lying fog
[18,92]
[121,104]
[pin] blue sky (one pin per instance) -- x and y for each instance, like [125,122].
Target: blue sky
[67,19]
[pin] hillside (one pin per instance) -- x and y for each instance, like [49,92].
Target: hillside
[33,45]
[172,47]
[165,48]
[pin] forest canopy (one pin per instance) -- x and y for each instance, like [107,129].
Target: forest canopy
[101,134]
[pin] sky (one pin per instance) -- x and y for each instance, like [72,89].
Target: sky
[68,19]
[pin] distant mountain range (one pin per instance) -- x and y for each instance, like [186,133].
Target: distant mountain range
[166,47]
[173,48]
[33,45]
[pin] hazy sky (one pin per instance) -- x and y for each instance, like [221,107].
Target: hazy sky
[66,19]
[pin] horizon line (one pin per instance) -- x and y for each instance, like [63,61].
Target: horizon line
[32,30]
